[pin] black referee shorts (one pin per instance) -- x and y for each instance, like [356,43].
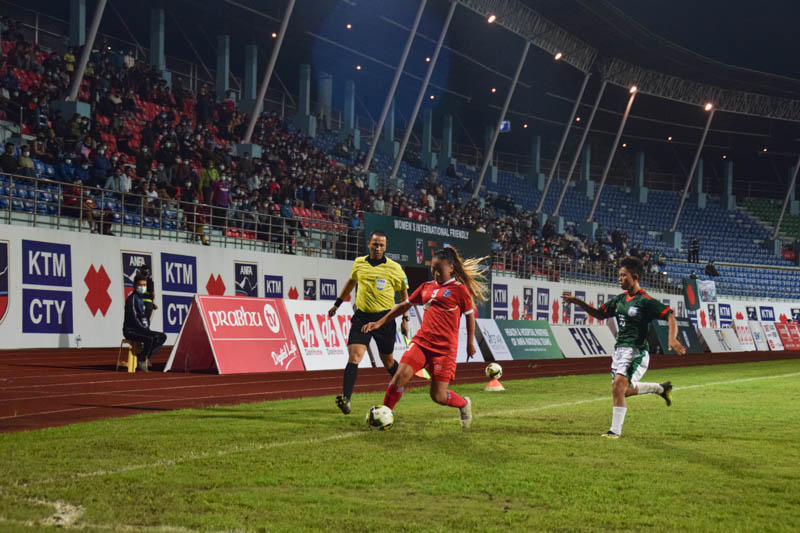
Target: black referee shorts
[384,337]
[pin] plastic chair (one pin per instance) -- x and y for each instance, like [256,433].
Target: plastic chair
[132,360]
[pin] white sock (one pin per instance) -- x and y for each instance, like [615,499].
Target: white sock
[618,419]
[649,388]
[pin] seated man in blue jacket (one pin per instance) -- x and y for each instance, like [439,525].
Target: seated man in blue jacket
[137,327]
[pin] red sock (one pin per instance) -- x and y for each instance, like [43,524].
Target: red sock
[392,396]
[454,400]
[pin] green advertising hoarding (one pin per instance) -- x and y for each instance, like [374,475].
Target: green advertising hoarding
[529,339]
[412,243]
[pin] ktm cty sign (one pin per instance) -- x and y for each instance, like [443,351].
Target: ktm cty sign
[236,335]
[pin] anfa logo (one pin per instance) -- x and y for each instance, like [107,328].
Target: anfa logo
[3,279]
[132,265]
[246,276]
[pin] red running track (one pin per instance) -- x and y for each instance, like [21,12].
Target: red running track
[53,387]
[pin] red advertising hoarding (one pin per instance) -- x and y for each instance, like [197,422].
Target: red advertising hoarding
[236,335]
[789,334]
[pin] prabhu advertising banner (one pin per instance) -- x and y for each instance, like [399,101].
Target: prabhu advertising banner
[529,339]
[236,335]
[584,341]
[720,340]
[773,339]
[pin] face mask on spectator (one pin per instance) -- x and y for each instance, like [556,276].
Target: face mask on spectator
[196,201]
[26,154]
[144,150]
[85,167]
[115,159]
[221,168]
[186,162]
[68,161]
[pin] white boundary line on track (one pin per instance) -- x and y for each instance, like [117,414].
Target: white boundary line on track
[350,434]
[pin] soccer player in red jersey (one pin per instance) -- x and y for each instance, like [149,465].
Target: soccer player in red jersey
[456,284]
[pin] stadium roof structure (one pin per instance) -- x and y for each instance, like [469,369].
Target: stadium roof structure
[626,53]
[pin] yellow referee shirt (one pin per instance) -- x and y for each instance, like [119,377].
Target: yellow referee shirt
[377,283]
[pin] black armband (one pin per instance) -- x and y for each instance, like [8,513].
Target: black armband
[338,302]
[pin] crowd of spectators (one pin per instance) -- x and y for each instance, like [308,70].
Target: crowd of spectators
[152,146]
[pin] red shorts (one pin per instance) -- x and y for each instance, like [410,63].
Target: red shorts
[441,367]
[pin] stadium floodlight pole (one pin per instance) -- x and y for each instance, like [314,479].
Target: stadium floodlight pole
[490,149]
[273,58]
[75,88]
[580,147]
[787,199]
[633,90]
[689,179]
[563,141]
[393,87]
[422,90]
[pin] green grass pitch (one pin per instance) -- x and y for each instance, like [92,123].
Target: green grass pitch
[724,457]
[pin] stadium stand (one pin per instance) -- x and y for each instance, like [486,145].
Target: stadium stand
[142,162]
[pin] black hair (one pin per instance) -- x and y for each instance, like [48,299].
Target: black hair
[139,278]
[377,233]
[633,265]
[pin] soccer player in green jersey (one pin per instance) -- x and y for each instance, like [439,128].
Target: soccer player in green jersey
[634,310]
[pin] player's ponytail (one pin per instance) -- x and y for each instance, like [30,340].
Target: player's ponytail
[470,272]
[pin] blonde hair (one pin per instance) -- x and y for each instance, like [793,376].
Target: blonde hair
[470,272]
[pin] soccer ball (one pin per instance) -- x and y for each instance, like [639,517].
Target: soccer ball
[494,371]
[380,417]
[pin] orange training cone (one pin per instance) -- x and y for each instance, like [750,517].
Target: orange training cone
[494,385]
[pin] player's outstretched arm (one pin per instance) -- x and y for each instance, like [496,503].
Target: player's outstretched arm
[346,290]
[596,313]
[674,343]
[396,311]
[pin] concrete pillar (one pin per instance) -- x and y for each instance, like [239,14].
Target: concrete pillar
[428,158]
[698,196]
[638,190]
[584,184]
[728,198]
[77,22]
[304,120]
[491,170]
[536,174]
[223,65]
[157,39]
[387,144]
[446,157]
[325,89]
[349,127]
[250,83]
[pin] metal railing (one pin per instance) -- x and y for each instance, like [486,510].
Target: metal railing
[41,202]
[555,269]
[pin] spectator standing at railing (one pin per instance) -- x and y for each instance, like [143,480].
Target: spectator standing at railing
[196,216]
[8,161]
[694,250]
[144,161]
[220,200]
[101,168]
[208,177]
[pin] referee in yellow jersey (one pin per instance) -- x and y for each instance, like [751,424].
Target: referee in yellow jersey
[378,279]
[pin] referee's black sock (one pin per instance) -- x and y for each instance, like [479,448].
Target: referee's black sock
[392,371]
[350,375]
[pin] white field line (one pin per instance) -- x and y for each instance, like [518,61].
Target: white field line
[255,447]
